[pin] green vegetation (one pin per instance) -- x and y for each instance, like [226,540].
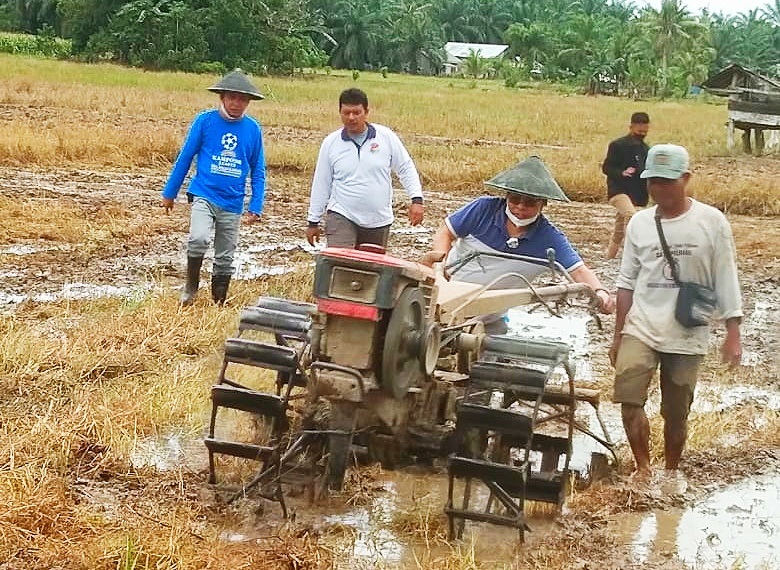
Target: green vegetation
[599,45]
[42,45]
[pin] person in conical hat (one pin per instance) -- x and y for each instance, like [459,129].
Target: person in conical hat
[514,224]
[228,145]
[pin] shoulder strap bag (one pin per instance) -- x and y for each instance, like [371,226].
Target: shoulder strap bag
[695,303]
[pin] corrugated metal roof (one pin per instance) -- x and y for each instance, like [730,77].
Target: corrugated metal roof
[746,80]
[462,50]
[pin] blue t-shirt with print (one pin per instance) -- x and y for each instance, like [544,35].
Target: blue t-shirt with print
[227,153]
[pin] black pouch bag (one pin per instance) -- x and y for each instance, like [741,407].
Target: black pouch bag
[695,303]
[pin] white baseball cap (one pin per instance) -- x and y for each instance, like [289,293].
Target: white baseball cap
[666,161]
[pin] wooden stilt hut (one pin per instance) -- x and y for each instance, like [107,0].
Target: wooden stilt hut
[753,103]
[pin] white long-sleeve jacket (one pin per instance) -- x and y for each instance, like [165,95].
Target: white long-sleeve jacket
[355,180]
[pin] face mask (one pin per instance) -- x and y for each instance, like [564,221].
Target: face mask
[517,221]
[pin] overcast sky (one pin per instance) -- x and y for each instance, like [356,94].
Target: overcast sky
[715,6]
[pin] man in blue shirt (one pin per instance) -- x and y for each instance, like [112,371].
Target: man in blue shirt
[228,147]
[515,225]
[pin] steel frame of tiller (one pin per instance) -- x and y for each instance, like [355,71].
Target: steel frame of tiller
[517,368]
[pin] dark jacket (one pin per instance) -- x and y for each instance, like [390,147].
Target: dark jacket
[622,153]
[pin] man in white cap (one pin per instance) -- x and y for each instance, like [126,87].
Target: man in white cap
[648,329]
[228,145]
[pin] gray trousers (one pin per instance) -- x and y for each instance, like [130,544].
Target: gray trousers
[342,232]
[206,218]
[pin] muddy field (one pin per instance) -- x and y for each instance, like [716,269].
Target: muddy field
[724,516]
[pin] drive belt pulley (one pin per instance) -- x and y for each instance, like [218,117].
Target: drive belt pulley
[411,345]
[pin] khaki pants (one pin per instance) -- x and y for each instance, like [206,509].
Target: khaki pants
[635,368]
[341,232]
[625,209]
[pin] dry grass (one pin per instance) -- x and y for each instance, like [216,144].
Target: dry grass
[459,132]
[422,520]
[83,382]
[23,219]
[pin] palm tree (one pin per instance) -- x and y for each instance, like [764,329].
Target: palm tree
[673,28]
[455,19]
[35,14]
[491,18]
[415,37]
[772,13]
[725,39]
[357,27]
[474,65]
[757,49]
[534,42]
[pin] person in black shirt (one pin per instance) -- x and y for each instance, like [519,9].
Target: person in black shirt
[624,163]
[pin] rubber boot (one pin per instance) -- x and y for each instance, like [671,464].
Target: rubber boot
[193,280]
[219,288]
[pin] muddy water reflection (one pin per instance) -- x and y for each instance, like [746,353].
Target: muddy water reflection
[572,328]
[405,527]
[736,527]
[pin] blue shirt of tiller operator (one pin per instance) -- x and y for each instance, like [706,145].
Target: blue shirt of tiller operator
[481,226]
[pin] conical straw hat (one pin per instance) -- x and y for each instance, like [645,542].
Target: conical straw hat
[237,82]
[530,177]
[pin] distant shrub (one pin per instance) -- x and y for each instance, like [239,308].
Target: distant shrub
[42,45]
[210,67]
[512,75]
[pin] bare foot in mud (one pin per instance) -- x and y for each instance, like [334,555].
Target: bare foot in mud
[673,482]
[642,477]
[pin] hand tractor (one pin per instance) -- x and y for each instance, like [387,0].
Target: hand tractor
[392,363]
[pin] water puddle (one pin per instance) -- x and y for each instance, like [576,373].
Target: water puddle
[270,258]
[736,527]
[760,332]
[419,235]
[411,231]
[168,452]
[571,328]
[26,249]
[405,526]
[717,398]
[77,292]
[373,538]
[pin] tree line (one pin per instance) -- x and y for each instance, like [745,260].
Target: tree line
[600,44]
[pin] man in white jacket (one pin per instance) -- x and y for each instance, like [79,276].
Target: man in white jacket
[352,187]
[647,334]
